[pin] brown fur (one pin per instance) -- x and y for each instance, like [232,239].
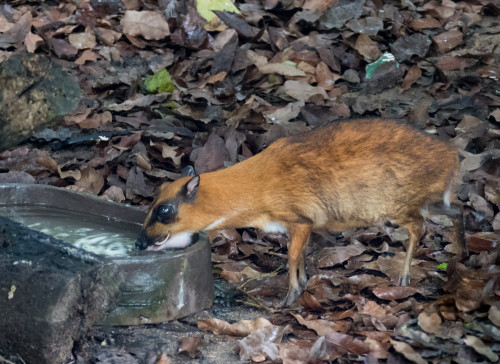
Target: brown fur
[348,174]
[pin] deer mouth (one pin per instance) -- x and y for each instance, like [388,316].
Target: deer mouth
[181,240]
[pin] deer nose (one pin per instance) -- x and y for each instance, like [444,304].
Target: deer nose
[142,242]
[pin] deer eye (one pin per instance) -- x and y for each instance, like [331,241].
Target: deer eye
[165,213]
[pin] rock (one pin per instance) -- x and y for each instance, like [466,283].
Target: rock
[34,93]
[51,294]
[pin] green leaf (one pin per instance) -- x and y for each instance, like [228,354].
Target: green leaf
[204,7]
[442,266]
[159,82]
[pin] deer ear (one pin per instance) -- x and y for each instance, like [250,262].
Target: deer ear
[191,188]
[187,171]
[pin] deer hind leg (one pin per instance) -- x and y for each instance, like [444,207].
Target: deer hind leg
[456,211]
[415,231]
[299,235]
[302,267]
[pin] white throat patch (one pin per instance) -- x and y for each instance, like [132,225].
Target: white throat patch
[215,223]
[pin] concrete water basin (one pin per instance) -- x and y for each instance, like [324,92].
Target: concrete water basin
[159,286]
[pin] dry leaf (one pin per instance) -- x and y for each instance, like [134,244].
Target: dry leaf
[481,348]
[430,323]
[87,55]
[300,90]
[413,75]
[448,40]
[408,352]
[240,328]
[149,24]
[367,48]
[32,41]
[91,180]
[82,40]
[284,69]
[322,327]
[189,346]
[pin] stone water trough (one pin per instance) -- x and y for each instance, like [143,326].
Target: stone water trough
[52,292]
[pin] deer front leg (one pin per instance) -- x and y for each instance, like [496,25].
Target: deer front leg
[299,235]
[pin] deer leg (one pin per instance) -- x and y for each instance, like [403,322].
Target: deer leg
[415,229]
[302,267]
[457,212]
[299,234]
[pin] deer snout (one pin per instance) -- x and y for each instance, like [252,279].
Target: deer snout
[142,241]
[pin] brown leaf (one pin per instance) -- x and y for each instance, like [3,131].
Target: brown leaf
[450,63]
[114,193]
[318,4]
[307,300]
[394,293]
[17,33]
[169,152]
[87,55]
[191,34]
[424,23]
[480,347]
[284,114]
[322,327]
[300,90]
[430,323]
[107,36]
[367,47]
[408,352]
[378,349]
[91,180]
[62,49]
[97,121]
[76,174]
[79,117]
[373,309]
[448,40]
[238,271]
[366,280]
[494,315]
[212,156]
[325,77]
[482,241]
[284,69]
[345,344]
[149,24]
[468,298]
[217,77]
[136,185]
[189,346]
[331,256]
[32,42]
[391,266]
[413,75]
[240,328]
[82,40]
